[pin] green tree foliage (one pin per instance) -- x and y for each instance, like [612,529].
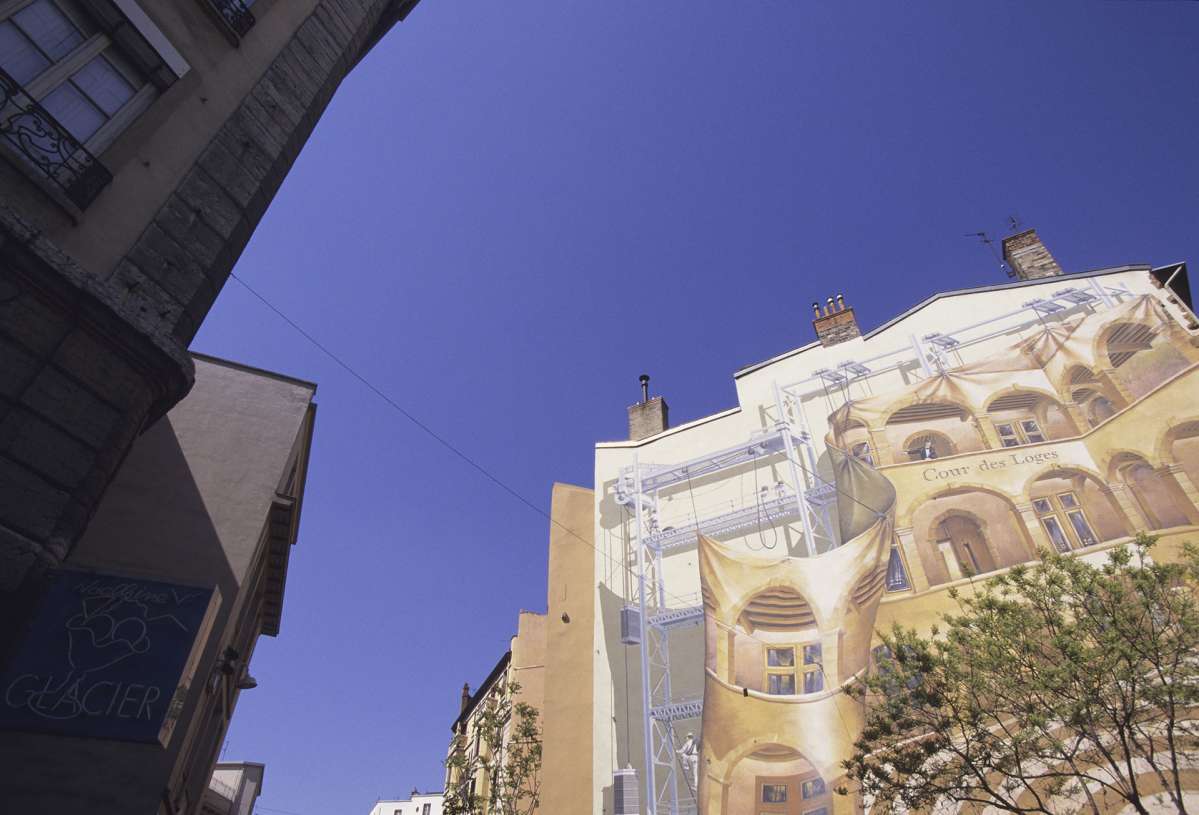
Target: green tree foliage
[1056,685]
[504,760]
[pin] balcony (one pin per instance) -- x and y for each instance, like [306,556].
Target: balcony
[45,149]
[235,14]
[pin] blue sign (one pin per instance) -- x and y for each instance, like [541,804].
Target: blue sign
[104,657]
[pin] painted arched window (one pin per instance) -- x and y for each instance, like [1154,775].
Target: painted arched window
[949,427]
[928,446]
[1126,340]
[962,537]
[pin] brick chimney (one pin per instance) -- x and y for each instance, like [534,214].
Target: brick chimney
[1028,257]
[837,324]
[649,416]
[465,697]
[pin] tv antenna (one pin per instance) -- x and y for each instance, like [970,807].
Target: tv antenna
[989,242]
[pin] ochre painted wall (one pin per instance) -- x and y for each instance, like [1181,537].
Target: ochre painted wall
[567,777]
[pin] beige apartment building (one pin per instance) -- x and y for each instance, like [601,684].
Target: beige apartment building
[518,676]
[722,581]
[141,141]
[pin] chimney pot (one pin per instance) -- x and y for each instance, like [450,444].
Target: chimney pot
[644,379]
[1028,257]
[837,324]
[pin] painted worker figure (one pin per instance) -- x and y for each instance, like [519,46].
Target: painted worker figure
[689,757]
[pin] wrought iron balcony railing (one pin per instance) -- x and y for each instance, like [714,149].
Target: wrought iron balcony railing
[46,146]
[236,15]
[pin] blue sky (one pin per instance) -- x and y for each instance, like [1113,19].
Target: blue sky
[510,210]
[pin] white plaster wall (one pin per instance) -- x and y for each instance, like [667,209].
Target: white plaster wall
[409,806]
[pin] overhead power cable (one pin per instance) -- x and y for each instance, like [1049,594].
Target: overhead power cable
[447,444]
[444,442]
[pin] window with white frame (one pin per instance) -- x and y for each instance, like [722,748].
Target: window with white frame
[1021,431]
[785,678]
[72,69]
[1064,521]
[780,670]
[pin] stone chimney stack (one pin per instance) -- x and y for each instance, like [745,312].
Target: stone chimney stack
[837,324]
[649,416]
[1028,257]
[465,697]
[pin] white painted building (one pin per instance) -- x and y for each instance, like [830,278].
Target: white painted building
[418,803]
[233,788]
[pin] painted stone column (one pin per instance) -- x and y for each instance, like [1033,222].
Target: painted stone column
[880,448]
[1184,488]
[1181,339]
[1137,522]
[1078,415]
[725,652]
[951,561]
[986,429]
[911,559]
[1117,383]
[1032,526]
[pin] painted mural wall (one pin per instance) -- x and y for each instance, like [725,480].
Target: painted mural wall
[1074,438]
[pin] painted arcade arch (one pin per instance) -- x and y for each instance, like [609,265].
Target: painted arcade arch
[1098,398]
[1180,446]
[969,530]
[925,445]
[1098,409]
[1076,509]
[855,439]
[949,424]
[1156,495]
[773,779]
[1026,416]
[1140,355]
[774,646]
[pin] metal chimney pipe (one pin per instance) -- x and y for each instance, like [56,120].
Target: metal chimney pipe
[644,388]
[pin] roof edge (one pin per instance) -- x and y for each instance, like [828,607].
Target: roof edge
[478,695]
[241,366]
[630,443]
[1130,267]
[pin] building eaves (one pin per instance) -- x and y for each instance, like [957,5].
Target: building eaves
[240,366]
[1175,275]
